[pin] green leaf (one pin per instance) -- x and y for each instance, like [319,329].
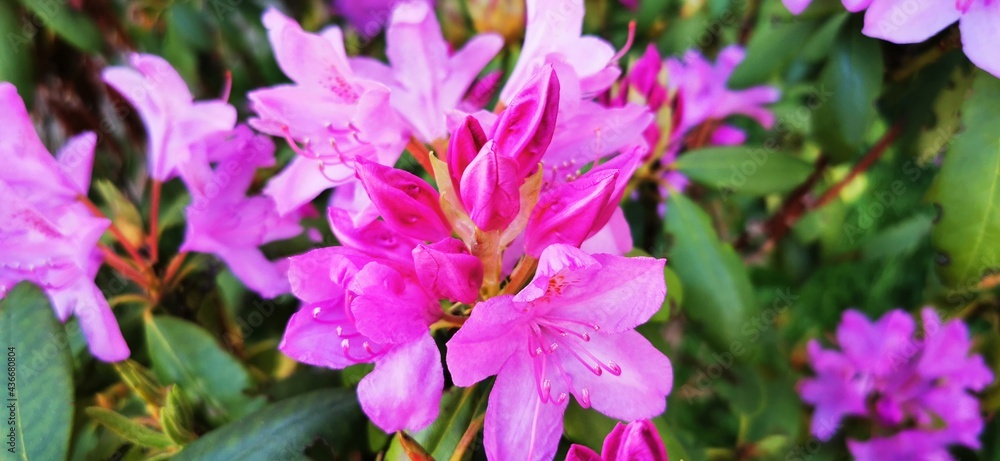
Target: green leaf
[967,190]
[675,295]
[43,377]
[717,290]
[17,47]
[183,353]
[897,240]
[744,169]
[853,75]
[177,417]
[283,429]
[141,381]
[69,24]
[459,407]
[129,429]
[768,51]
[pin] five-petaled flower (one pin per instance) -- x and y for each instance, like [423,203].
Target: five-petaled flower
[561,336]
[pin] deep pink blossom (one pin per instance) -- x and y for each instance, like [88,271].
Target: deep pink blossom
[426,79]
[586,66]
[915,389]
[173,119]
[223,221]
[358,309]
[569,332]
[330,116]
[637,441]
[46,236]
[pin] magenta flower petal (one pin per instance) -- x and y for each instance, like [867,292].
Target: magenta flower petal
[908,22]
[637,441]
[312,341]
[389,308]
[980,35]
[642,377]
[407,203]
[553,34]
[465,143]
[876,347]
[426,80]
[490,189]
[582,453]
[173,120]
[484,343]
[375,238]
[569,213]
[76,160]
[525,128]
[833,393]
[98,323]
[448,271]
[545,348]
[519,426]
[308,59]
[404,390]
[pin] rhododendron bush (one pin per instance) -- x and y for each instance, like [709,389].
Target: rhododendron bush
[500,229]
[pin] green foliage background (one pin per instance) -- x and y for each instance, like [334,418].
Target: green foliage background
[916,226]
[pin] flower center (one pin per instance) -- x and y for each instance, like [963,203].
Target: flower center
[355,346]
[556,344]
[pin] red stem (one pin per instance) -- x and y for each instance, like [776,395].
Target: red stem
[154,215]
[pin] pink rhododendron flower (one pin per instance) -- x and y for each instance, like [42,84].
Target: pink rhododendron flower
[426,80]
[361,309]
[559,337]
[223,221]
[586,66]
[554,35]
[46,236]
[914,389]
[900,21]
[335,115]
[702,88]
[979,20]
[637,441]
[173,119]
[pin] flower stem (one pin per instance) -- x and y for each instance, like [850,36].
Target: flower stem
[112,259]
[420,152]
[154,215]
[119,235]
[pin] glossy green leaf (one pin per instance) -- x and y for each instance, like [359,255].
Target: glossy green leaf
[717,291]
[768,51]
[71,25]
[459,407]
[853,75]
[183,353]
[43,375]
[744,169]
[967,190]
[282,429]
[129,429]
